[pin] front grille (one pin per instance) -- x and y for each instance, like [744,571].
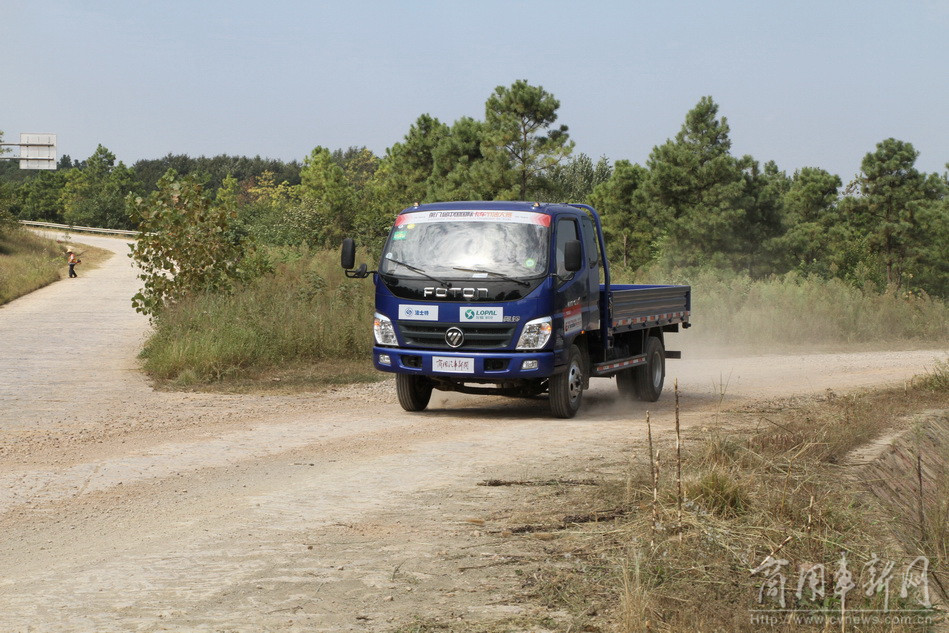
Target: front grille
[482,336]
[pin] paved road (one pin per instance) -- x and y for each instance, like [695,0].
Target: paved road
[70,376]
[63,343]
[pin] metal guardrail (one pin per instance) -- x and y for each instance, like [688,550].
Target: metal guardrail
[85,229]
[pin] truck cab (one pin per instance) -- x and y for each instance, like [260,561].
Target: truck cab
[501,297]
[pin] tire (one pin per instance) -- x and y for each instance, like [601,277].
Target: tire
[626,383]
[566,389]
[414,391]
[651,375]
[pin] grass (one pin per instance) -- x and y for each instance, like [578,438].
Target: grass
[304,325]
[935,540]
[792,312]
[936,379]
[783,487]
[301,376]
[29,262]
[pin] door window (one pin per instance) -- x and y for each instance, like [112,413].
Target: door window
[566,231]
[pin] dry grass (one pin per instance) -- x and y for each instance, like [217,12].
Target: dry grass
[291,378]
[936,524]
[307,313]
[305,324]
[792,311]
[782,488]
[29,262]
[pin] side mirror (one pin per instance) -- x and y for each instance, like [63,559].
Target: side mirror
[347,258]
[572,256]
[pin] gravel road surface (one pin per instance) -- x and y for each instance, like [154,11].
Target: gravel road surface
[127,509]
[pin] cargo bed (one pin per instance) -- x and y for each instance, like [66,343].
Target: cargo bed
[635,306]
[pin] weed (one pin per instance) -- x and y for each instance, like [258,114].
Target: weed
[299,317]
[937,378]
[29,262]
[719,492]
[777,490]
[792,311]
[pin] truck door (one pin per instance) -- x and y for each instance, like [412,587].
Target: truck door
[591,312]
[572,288]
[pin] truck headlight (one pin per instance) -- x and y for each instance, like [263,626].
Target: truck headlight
[535,334]
[383,330]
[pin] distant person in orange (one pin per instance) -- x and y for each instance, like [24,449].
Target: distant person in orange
[72,260]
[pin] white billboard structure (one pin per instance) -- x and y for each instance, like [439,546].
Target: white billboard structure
[37,151]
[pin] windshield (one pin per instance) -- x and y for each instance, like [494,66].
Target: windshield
[468,244]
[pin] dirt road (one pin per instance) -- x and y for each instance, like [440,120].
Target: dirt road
[126,509]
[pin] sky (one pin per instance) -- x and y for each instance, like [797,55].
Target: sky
[803,83]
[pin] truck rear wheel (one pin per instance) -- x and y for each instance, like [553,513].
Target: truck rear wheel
[414,391]
[566,389]
[652,374]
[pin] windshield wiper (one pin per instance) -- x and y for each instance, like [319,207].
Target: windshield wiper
[491,272]
[416,269]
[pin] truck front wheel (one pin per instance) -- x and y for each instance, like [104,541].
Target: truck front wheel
[651,375]
[566,389]
[414,391]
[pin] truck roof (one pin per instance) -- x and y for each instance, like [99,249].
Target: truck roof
[494,205]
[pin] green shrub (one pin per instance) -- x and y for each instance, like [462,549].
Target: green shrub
[187,244]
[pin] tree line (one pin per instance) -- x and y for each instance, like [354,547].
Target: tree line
[692,204]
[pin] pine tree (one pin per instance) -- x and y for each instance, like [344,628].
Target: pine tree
[695,189]
[894,198]
[520,131]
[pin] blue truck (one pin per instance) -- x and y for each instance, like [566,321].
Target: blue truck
[513,298]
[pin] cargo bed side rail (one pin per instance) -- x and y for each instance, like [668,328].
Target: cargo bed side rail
[637,307]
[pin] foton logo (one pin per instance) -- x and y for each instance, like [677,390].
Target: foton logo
[456,293]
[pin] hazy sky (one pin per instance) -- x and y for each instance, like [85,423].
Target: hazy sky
[802,83]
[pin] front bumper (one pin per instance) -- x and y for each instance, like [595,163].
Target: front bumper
[486,366]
